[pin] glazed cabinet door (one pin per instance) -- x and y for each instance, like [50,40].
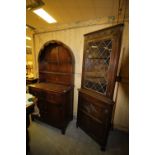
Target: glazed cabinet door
[100,62]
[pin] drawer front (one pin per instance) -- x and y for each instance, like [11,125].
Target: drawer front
[37,92]
[92,107]
[54,98]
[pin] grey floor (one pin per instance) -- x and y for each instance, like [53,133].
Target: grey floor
[47,140]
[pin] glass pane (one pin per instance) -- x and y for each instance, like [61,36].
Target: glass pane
[97,60]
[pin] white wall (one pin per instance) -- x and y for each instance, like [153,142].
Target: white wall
[73,38]
[30,57]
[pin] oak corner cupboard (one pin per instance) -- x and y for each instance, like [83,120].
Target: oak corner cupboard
[56,85]
[99,72]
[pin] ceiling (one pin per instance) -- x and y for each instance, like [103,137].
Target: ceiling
[67,12]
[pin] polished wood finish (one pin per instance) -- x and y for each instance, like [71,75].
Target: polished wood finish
[56,64]
[99,74]
[56,84]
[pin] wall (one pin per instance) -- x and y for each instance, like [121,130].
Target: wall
[74,38]
[30,57]
[121,116]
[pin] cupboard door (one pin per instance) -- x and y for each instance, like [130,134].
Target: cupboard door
[93,127]
[55,114]
[101,56]
[97,110]
[43,109]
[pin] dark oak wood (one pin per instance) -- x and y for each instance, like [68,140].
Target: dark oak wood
[56,85]
[99,74]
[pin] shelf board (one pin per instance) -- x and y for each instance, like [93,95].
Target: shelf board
[94,58]
[58,73]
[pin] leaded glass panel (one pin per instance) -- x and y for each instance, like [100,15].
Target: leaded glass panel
[97,60]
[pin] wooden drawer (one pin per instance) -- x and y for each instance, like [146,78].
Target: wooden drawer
[54,98]
[37,92]
[98,110]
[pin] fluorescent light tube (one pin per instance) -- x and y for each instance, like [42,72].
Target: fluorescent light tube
[28,47]
[28,38]
[44,15]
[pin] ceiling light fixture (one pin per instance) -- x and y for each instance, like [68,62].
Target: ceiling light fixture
[28,46]
[28,38]
[44,15]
